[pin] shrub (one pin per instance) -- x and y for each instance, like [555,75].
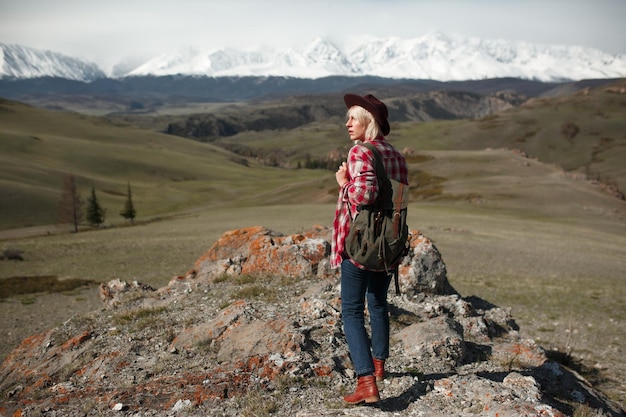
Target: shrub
[12,254]
[569,130]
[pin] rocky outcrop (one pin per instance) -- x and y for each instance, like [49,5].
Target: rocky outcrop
[254,328]
[440,104]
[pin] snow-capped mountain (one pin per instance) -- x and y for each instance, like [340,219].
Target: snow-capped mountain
[435,56]
[22,62]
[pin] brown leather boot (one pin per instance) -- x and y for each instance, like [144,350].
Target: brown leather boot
[379,369]
[366,391]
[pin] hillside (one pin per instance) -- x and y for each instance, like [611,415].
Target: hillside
[39,148]
[581,132]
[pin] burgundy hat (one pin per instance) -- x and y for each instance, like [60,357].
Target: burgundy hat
[374,106]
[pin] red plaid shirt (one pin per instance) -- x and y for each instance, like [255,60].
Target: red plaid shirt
[362,189]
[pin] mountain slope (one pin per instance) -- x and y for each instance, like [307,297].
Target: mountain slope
[18,62]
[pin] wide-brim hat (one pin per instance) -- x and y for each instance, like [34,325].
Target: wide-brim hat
[374,106]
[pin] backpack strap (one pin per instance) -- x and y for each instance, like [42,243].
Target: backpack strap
[380,172]
[383,186]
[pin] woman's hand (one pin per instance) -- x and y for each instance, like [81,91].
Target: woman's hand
[342,175]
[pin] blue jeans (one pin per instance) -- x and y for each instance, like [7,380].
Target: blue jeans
[356,284]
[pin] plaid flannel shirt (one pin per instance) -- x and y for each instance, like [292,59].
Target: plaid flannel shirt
[362,189]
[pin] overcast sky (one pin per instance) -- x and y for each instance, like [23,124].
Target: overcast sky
[108,31]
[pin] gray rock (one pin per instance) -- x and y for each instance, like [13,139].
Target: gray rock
[247,340]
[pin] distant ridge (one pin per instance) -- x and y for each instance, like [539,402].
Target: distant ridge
[434,57]
[225,89]
[150,92]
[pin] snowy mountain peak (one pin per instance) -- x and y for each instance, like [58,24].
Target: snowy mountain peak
[22,62]
[435,56]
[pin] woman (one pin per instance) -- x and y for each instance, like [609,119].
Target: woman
[358,185]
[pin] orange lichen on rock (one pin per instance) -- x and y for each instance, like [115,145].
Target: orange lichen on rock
[234,241]
[257,250]
[525,353]
[76,340]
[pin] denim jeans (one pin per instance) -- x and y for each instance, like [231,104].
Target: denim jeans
[356,285]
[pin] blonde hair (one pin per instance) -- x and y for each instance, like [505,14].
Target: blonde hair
[365,118]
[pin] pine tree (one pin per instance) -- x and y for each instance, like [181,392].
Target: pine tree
[95,212]
[129,211]
[71,205]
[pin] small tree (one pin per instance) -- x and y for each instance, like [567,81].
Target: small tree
[71,205]
[129,211]
[95,212]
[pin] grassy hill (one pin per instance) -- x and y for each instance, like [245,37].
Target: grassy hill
[39,148]
[583,132]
